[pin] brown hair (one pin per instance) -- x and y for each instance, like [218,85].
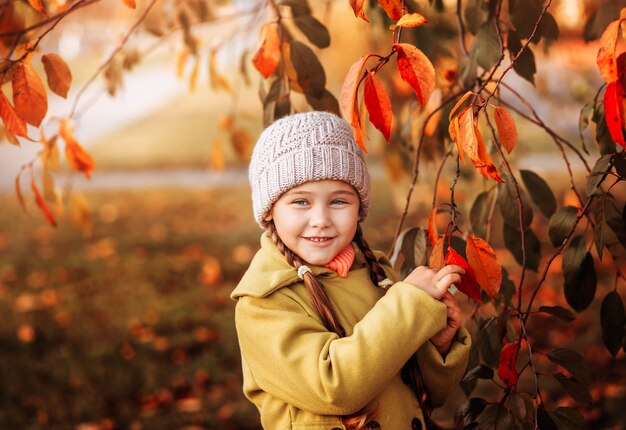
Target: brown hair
[364,418]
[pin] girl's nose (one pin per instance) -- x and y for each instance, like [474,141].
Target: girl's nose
[319,217]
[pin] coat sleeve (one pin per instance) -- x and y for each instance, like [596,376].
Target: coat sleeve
[292,356]
[441,374]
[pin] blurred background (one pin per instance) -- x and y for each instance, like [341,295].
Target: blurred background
[120,317]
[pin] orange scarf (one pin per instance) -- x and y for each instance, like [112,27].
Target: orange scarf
[342,261]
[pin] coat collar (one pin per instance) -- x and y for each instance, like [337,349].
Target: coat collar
[269,271]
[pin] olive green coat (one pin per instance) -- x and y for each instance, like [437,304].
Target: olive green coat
[301,376]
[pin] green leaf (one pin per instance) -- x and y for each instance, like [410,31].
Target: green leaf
[513,242]
[575,389]
[474,359]
[574,254]
[314,30]
[561,223]
[473,408]
[603,136]
[479,213]
[475,14]
[567,418]
[508,204]
[479,372]
[525,63]
[599,225]
[580,285]
[540,192]
[490,345]
[559,312]
[486,46]
[413,249]
[507,289]
[614,219]
[619,162]
[612,319]
[598,20]
[583,121]
[524,15]
[544,421]
[597,174]
[326,102]
[311,75]
[521,406]
[573,362]
[548,28]
[495,417]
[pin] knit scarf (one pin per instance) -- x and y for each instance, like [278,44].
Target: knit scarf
[342,261]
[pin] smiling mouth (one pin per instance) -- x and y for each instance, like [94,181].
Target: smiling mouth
[319,239]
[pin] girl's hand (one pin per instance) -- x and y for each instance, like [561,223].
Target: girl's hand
[443,339]
[435,282]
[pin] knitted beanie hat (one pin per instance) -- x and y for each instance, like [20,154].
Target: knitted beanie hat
[304,147]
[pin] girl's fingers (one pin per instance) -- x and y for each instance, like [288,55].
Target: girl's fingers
[447,270]
[447,281]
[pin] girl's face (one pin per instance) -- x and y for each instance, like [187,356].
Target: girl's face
[317,219]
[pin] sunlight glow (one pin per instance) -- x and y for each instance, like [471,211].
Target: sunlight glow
[569,13]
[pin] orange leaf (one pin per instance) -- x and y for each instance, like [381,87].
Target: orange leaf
[468,284]
[13,123]
[217,154]
[267,57]
[437,261]
[411,20]
[349,99]
[393,8]
[29,95]
[42,203]
[613,99]
[18,191]
[433,123]
[483,260]
[58,74]
[417,70]
[130,3]
[606,54]
[378,104]
[507,368]
[216,79]
[483,163]
[432,227]
[506,128]
[77,157]
[357,7]
[465,136]
[459,103]
[36,4]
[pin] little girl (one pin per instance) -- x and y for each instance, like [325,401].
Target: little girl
[330,338]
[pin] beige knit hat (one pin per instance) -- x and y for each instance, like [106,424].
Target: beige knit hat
[304,147]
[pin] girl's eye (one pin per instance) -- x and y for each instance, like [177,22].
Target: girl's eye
[338,202]
[300,202]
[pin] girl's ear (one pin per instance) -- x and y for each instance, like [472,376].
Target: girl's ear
[268,217]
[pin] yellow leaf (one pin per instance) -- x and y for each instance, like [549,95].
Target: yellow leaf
[29,95]
[292,75]
[58,74]
[193,77]
[606,59]
[18,191]
[47,182]
[242,143]
[411,20]
[180,63]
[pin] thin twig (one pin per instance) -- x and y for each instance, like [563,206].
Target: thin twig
[459,20]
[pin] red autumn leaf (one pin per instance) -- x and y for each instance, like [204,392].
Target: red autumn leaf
[606,54]
[42,204]
[378,104]
[507,368]
[393,8]
[267,57]
[506,128]
[468,284]
[483,260]
[411,20]
[58,74]
[437,260]
[29,95]
[349,99]
[12,121]
[432,227]
[613,99]
[357,7]
[417,70]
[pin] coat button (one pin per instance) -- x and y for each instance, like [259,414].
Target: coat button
[416,424]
